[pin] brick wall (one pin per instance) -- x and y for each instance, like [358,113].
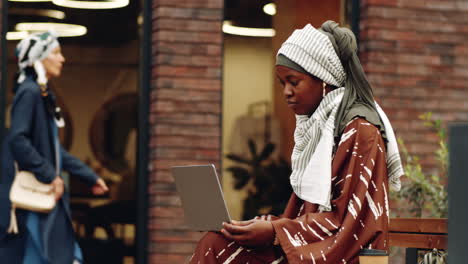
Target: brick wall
[415,53]
[185,113]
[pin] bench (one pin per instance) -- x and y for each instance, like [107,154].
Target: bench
[418,233]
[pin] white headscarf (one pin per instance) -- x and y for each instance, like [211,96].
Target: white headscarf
[32,50]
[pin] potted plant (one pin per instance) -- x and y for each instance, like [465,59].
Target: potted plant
[266,180]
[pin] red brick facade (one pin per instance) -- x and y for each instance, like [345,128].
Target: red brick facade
[185,113]
[416,57]
[414,51]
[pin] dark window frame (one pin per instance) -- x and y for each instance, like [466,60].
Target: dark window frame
[142,199]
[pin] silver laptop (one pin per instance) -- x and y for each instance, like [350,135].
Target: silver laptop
[201,196]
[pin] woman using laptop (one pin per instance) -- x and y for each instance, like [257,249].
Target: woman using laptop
[344,160]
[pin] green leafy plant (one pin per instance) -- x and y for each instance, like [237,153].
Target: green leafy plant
[266,180]
[426,193]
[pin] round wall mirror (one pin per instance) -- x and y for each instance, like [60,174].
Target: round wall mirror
[113,133]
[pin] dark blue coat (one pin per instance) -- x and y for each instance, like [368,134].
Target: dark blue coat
[30,142]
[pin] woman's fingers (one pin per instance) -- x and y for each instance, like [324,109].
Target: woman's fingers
[238,238]
[234,229]
[102,184]
[259,233]
[100,187]
[58,194]
[242,223]
[227,234]
[264,217]
[58,187]
[97,191]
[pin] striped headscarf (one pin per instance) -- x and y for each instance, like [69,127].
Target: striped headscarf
[312,51]
[31,50]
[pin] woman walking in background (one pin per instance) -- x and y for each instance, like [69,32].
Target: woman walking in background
[344,159]
[33,144]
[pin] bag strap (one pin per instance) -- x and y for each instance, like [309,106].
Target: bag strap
[57,159]
[56,145]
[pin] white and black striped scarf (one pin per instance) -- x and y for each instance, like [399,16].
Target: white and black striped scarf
[312,154]
[313,151]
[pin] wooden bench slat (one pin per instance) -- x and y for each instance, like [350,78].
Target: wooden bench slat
[418,241]
[419,225]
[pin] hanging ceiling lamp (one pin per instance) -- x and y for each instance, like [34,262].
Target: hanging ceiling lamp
[229,28]
[270,9]
[16,35]
[109,4]
[62,29]
[23,29]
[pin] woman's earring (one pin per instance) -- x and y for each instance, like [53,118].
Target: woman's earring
[324,91]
